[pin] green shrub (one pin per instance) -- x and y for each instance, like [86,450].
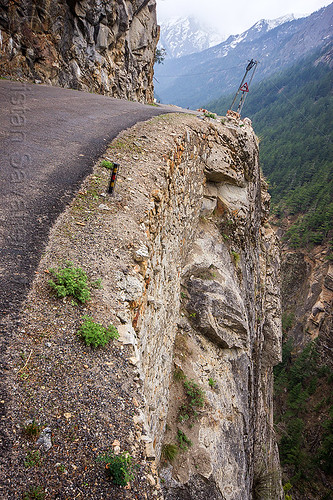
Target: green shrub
[210,115]
[95,334]
[195,394]
[195,399]
[119,468]
[170,451]
[183,440]
[107,164]
[183,416]
[70,281]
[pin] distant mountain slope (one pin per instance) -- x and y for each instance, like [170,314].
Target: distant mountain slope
[195,79]
[292,114]
[182,36]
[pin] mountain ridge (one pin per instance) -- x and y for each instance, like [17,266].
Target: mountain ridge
[181,36]
[220,68]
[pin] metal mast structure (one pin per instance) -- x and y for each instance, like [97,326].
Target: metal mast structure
[244,87]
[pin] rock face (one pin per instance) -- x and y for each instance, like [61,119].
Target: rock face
[221,257]
[190,275]
[105,47]
[307,294]
[209,306]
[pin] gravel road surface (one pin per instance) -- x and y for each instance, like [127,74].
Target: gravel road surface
[49,140]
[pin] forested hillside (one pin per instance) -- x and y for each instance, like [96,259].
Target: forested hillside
[293,114]
[197,78]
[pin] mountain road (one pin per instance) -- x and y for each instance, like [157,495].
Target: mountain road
[50,138]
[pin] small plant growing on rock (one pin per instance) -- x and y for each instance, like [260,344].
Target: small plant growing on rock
[170,451]
[179,375]
[236,257]
[212,383]
[264,482]
[71,281]
[210,115]
[195,394]
[119,468]
[287,487]
[183,440]
[95,334]
[183,417]
[195,400]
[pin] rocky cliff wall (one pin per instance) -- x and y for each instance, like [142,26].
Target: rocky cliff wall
[190,274]
[211,310]
[307,294]
[105,47]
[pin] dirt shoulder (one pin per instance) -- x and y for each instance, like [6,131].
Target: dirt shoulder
[88,400]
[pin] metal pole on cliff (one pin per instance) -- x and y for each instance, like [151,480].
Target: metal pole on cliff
[244,88]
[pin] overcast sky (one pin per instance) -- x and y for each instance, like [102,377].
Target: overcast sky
[231,17]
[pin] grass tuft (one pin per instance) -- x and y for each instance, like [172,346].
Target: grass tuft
[32,428]
[170,451]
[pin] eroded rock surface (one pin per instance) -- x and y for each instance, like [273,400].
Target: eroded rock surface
[190,275]
[106,47]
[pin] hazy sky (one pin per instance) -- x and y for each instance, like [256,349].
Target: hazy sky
[231,17]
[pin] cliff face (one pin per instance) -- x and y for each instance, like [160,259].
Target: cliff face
[211,310]
[303,383]
[190,275]
[307,295]
[105,47]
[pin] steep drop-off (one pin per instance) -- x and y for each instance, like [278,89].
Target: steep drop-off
[303,382]
[104,47]
[190,274]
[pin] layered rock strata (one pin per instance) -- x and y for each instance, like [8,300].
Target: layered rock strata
[104,47]
[209,244]
[190,274]
[307,295]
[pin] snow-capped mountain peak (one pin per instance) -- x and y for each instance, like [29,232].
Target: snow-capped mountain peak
[270,24]
[182,36]
[185,35]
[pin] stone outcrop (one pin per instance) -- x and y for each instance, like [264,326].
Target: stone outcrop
[307,295]
[105,47]
[190,275]
[210,244]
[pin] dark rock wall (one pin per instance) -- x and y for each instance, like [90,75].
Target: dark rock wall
[97,45]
